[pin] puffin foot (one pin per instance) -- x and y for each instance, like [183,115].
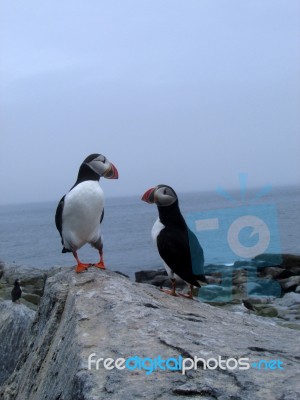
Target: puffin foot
[171,292]
[190,295]
[100,265]
[81,267]
[187,296]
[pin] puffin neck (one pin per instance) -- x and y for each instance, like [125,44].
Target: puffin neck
[171,215]
[85,173]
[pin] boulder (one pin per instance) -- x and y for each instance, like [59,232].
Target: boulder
[290,284]
[157,278]
[286,261]
[15,320]
[32,283]
[105,314]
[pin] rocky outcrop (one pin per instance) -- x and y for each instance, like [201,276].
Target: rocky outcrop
[104,313]
[32,283]
[15,319]
[264,282]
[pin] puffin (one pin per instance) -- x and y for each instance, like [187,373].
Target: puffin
[177,245]
[16,293]
[80,212]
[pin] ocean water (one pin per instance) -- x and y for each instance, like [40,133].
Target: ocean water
[28,234]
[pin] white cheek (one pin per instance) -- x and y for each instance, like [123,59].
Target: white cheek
[98,167]
[164,199]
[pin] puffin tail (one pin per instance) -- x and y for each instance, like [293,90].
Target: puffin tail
[64,250]
[201,280]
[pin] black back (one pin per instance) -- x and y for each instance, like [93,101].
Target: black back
[16,292]
[58,216]
[178,246]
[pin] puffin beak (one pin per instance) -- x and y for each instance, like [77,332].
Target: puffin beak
[148,196]
[111,172]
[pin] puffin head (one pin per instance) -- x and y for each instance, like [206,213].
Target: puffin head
[17,282]
[100,164]
[161,195]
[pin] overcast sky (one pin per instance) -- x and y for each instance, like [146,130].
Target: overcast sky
[185,92]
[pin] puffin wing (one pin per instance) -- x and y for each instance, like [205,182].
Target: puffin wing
[197,256]
[16,293]
[173,247]
[102,216]
[58,215]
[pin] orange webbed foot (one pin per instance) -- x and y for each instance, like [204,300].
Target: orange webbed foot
[81,267]
[187,296]
[100,265]
[171,292]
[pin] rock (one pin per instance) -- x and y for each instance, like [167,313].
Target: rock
[122,273]
[263,287]
[289,299]
[290,283]
[260,299]
[269,259]
[287,261]
[215,293]
[32,282]
[104,313]
[148,275]
[266,311]
[272,272]
[244,264]
[297,289]
[15,319]
[213,280]
[157,278]
[284,274]
[31,298]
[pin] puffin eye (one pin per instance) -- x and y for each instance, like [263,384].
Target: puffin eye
[101,159]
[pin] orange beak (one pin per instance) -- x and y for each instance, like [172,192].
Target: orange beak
[148,196]
[111,173]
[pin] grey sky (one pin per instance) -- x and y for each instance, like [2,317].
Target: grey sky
[185,92]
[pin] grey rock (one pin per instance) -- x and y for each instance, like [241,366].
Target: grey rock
[263,287]
[148,275]
[266,311]
[32,282]
[290,283]
[285,260]
[273,272]
[15,320]
[289,299]
[104,313]
[260,299]
[157,278]
[31,298]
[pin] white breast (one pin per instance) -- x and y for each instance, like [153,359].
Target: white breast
[157,227]
[83,207]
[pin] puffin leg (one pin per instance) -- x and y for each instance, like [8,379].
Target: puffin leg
[190,295]
[80,266]
[172,292]
[100,264]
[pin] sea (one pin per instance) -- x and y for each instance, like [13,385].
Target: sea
[28,235]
